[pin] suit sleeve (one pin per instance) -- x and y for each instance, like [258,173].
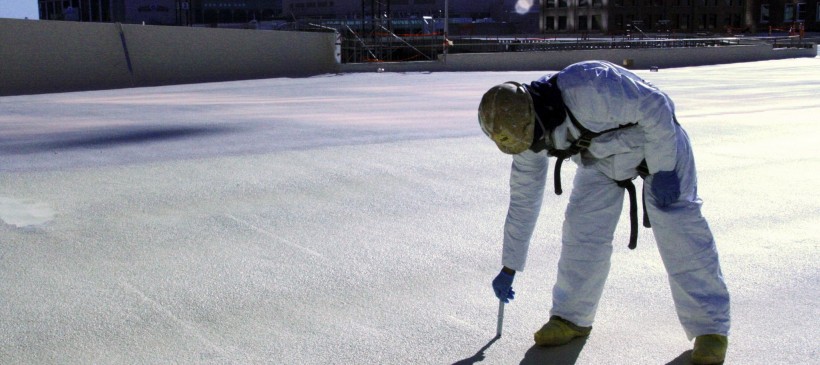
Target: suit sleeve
[656,118]
[527,179]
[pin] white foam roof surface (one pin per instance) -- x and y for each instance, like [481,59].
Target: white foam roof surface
[357,219]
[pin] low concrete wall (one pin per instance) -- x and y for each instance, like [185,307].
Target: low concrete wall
[640,58]
[173,55]
[50,56]
[55,56]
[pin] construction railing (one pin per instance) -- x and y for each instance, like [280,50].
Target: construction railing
[389,47]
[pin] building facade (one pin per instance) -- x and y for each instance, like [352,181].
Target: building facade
[542,16]
[81,10]
[785,15]
[409,15]
[678,16]
[160,12]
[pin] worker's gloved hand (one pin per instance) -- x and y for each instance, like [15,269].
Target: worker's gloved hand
[502,285]
[665,187]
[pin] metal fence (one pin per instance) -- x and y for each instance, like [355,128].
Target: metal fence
[391,48]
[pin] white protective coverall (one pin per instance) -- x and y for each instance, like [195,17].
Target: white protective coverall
[602,95]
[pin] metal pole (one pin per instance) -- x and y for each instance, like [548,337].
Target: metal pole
[446,26]
[500,324]
[446,16]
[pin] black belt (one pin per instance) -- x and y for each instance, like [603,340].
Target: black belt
[633,211]
[643,172]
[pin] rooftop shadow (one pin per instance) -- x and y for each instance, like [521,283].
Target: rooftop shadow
[479,356]
[556,355]
[105,138]
[684,359]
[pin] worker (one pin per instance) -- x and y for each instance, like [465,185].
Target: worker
[615,126]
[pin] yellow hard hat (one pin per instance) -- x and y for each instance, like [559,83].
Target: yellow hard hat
[507,115]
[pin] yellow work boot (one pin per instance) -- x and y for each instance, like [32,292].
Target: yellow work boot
[709,349]
[559,331]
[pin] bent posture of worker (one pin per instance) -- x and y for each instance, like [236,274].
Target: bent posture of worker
[615,126]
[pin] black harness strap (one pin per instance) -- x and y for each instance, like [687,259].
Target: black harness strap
[643,172]
[581,144]
[557,177]
[633,212]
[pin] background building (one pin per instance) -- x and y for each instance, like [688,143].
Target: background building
[161,12]
[679,16]
[467,17]
[620,16]
[782,15]
[214,12]
[81,10]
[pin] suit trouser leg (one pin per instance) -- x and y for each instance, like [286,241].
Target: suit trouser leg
[687,247]
[589,224]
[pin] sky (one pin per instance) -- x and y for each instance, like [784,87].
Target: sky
[357,219]
[19,9]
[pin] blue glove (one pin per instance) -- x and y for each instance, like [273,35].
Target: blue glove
[665,187]
[502,285]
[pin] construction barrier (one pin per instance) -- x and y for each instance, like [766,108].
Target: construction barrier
[38,56]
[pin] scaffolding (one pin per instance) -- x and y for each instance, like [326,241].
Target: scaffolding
[376,40]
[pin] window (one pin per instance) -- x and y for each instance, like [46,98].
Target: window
[596,22]
[549,23]
[153,8]
[788,13]
[801,12]
[818,12]
[582,22]
[619,21]
[764,13]
[663,25]
[562,23]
